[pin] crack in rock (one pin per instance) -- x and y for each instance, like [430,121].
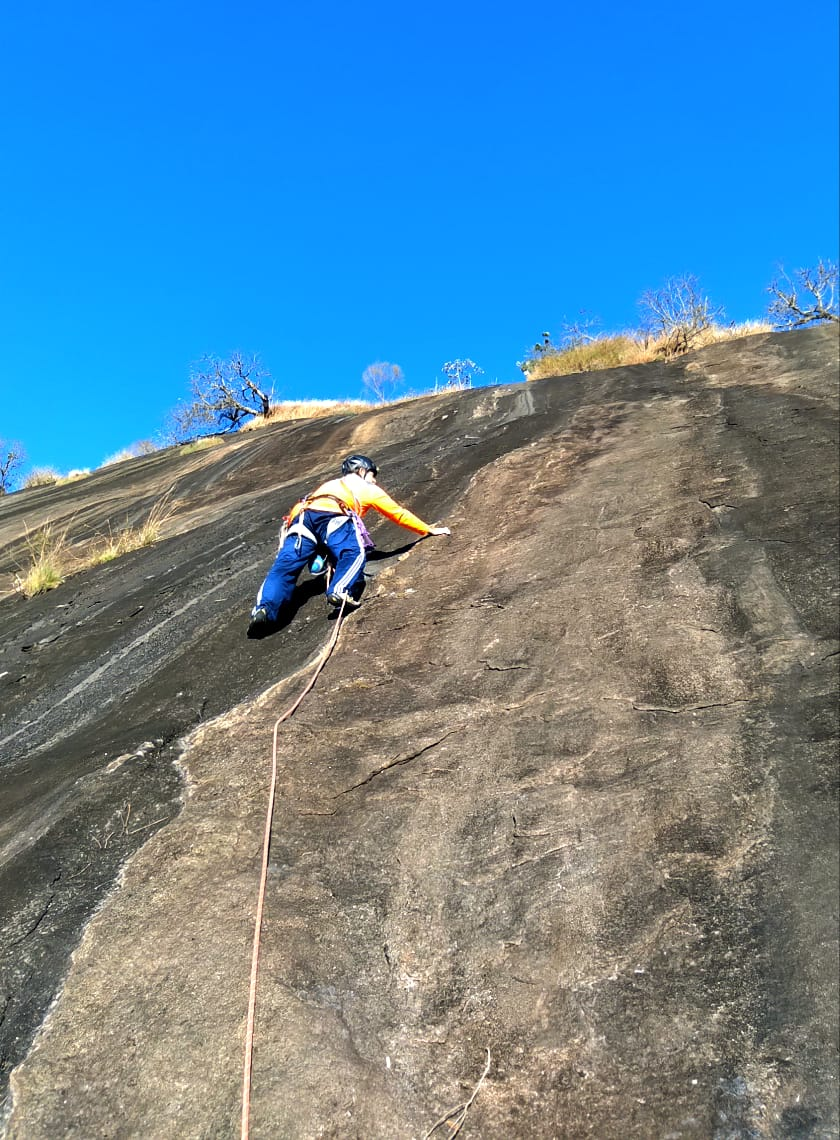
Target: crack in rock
[692,708]
[41,916]
[398,761]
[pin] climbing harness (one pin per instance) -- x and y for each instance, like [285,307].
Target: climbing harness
[295,522]
[255,955]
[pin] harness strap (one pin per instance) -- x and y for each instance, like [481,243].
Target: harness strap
[293,522]
[301,528]
[340,503]
[357,506]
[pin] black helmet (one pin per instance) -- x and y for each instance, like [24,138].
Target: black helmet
[358,463]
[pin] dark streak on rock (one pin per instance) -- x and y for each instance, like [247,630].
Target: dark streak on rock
[398,761]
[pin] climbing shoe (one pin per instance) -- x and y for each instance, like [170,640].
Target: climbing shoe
[260,625]
[350,603]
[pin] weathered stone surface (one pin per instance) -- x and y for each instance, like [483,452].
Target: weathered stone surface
[566,791]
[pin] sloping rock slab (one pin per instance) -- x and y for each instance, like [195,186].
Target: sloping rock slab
[566,793]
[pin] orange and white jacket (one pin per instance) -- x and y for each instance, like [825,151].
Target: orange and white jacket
[358,495]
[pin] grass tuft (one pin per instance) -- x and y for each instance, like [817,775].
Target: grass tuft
[48,553]
[41,477]
[51,557]
[593,355]
[133,451]
[73,476]
[201,444]
[135,538]
[306,410]
[625,349]
[149,532]
[49,477]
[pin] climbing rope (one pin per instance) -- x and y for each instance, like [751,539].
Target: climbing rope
[255,956]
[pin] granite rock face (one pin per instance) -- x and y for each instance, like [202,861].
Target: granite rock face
[566,792]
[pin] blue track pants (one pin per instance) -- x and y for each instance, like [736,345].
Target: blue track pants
[347,553]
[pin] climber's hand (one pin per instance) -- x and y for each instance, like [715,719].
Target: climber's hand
[440,530]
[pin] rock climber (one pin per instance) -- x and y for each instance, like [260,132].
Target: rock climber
[328,522]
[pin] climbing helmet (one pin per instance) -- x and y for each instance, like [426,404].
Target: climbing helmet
[359,463]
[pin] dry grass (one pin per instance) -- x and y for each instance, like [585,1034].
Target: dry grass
[134,538]
[307,410]
[747,328]
[202,444]
[627,348]
[714,334]
[49,557]
[73,476]
[49,477]
[602,352]
[41,477]
[133,451]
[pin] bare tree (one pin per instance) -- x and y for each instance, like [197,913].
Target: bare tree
[12,458]
[459,374]
[810,297]
[579,332]
[678,313]
[381,377]
[224,393]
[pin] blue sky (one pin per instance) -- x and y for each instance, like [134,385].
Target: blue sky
[330,185]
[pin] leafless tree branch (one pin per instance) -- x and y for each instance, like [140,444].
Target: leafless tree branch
[807,298]
[224,392]
[12,458]
[678,312]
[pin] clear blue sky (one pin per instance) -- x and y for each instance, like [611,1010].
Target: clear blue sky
[332,184]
